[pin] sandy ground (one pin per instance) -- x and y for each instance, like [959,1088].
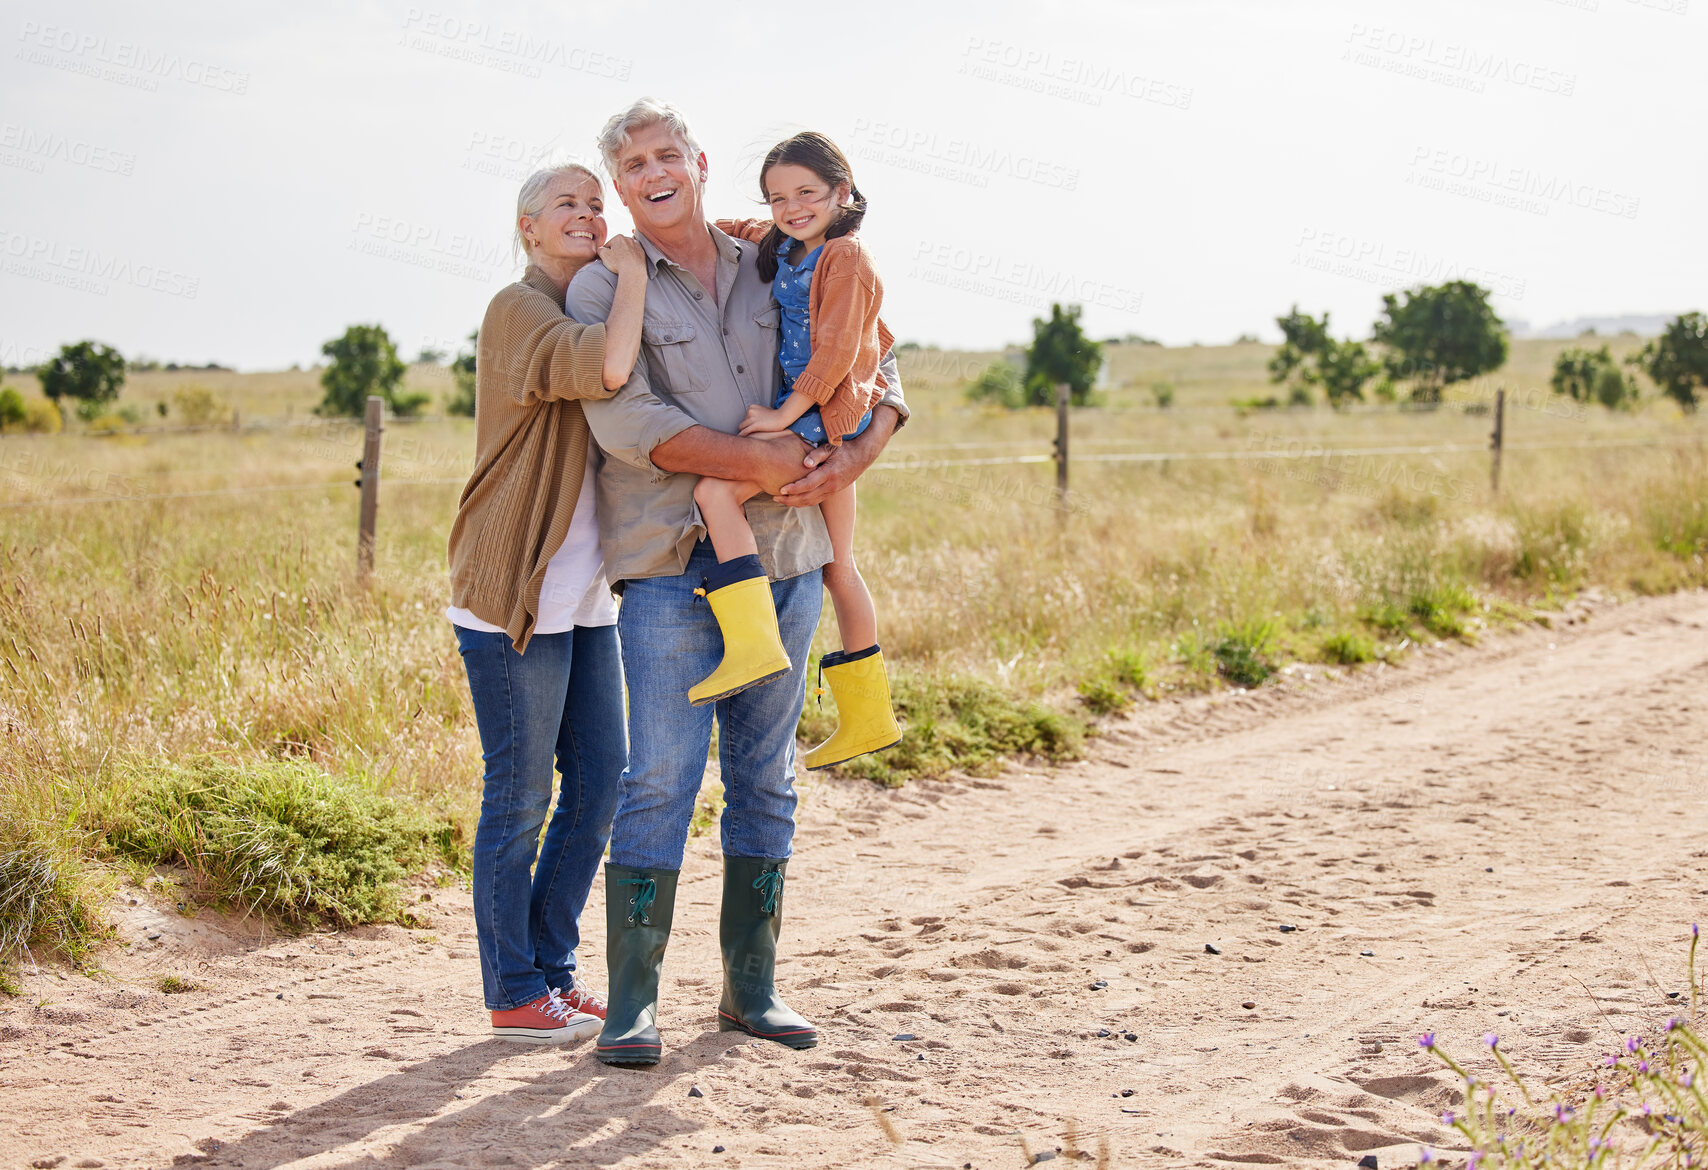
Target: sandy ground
[1508,838]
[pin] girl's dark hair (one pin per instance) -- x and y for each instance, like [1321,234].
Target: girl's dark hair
[820,155]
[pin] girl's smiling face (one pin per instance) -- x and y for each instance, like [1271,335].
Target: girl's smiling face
[803,205]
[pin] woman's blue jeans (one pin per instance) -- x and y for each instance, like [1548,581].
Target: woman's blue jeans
[560,702]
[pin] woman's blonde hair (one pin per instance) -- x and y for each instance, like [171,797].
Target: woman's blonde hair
[531,199]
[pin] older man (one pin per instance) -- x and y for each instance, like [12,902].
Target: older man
[709,351]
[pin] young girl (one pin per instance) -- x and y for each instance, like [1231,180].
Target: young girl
[832,342]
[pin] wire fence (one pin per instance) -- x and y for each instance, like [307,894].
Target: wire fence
[908,460]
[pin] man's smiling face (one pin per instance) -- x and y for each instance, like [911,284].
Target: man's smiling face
[658,181]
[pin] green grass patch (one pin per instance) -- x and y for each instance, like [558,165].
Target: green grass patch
[955,724]
[1348,648]
[281,837]
[1114,685]
[176,985]
[1242,651]
[48,897]
[1439,608]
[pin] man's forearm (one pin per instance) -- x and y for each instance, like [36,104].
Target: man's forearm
[702,451]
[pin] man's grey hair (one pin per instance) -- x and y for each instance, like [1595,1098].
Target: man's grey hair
[646,112]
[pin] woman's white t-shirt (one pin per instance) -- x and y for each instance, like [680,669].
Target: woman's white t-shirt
[575,591]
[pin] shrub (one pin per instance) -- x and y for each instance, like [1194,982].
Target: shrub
[364,362]
[46,897]
[1592,376]
[999,385]
[461,400]
[42,417]
[1163,392]
[1242,651]
[12,413]
[89,372]
[281,837]
[956,723]
[1348,648]
[197,406]
[1438,606]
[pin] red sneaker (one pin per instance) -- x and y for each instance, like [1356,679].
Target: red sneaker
[579,998]
[548,1020]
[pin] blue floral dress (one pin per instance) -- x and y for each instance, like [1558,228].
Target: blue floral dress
[792,288]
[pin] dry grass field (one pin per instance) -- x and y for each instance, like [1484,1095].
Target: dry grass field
[175,602]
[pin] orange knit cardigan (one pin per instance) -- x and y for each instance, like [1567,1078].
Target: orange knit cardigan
[848,337]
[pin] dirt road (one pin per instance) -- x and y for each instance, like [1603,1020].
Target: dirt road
[1481,840]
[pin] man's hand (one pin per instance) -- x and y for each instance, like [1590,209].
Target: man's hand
[830,469]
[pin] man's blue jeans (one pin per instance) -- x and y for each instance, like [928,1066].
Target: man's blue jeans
[562,701]
[670,642]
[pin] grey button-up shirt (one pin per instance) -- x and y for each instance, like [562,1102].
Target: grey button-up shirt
[705,358]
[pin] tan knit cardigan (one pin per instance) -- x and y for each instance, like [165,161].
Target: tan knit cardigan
[532,366]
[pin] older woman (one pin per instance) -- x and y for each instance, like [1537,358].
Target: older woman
[534,616]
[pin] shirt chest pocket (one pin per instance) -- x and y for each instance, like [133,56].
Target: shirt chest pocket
[669,352]
[767,334]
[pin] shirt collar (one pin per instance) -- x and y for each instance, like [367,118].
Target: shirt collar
[728,249]
[793,246]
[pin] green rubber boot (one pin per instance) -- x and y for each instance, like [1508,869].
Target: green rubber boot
[639,907]
[752,919]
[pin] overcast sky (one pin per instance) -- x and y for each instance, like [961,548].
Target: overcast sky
[200,182]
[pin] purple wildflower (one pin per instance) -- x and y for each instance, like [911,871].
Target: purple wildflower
[1427,1041]
[1447,1118]
[1611,1062]
[1672,1022]
[1491,1040]
[1633,1043]
[1425,1155]
[1643,1066]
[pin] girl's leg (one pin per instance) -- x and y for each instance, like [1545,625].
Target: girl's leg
[856,618]
[720,502]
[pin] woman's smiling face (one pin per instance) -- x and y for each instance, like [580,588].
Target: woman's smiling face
[803,205]
[571,226]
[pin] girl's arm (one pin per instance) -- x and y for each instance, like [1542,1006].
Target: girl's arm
[624,256]
[751,230]
[838,327]
[765,418]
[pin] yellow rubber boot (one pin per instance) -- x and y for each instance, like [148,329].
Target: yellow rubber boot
[866,722]
[753,645]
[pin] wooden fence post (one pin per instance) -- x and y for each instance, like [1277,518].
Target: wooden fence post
[1496,439]
[370,485]
[1062,398]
